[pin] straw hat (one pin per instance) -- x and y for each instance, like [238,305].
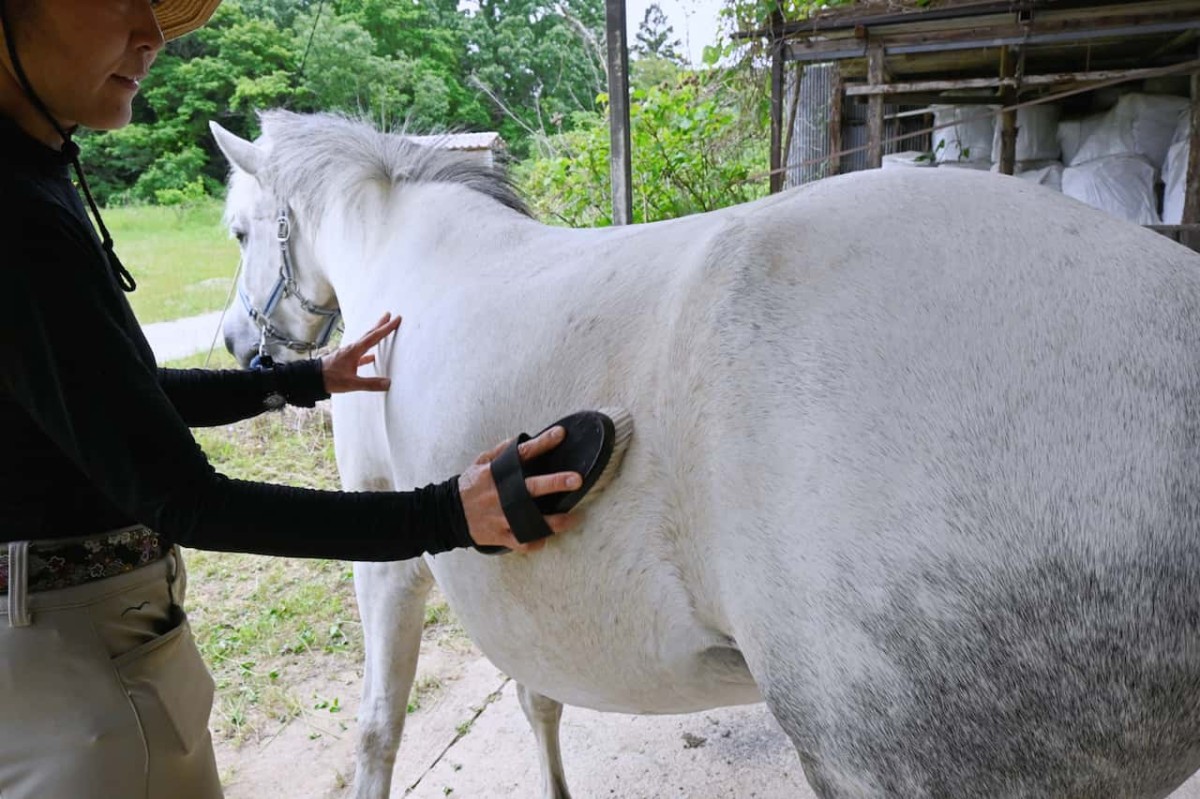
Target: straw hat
[177,17]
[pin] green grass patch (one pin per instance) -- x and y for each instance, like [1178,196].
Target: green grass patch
[220,359]
[182,258]
[293,446]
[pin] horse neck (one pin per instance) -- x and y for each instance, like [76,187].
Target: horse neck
[414,239]
[347,239]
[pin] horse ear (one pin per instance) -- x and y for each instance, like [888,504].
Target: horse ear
[245,155]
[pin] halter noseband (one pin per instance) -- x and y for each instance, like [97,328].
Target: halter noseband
[286,286]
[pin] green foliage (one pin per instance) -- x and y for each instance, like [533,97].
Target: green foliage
[654,36]
[652,71]
[343,73]
[756,13]
[539,61]
[191,193]
[115,160]
[691,153]
[518,66]
[173,172]
[747,15]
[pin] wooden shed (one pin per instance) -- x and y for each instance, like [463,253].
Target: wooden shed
[888,62]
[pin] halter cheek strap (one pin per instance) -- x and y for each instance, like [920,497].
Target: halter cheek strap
[285,286]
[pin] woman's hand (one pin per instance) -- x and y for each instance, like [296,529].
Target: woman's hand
[481,502]
[340,367]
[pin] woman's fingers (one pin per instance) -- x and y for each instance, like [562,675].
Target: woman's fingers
[529,449]
[385,327]
[525,549]
[372,383]
[493,453]
[366,360]
[543,443]
[552,483]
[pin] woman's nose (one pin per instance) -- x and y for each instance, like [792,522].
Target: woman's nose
[146,33]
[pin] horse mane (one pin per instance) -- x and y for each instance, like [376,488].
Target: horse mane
[314,158]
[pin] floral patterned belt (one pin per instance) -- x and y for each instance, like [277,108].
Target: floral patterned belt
[65,562]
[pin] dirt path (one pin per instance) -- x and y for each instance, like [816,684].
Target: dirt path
[183,337]
[471,740]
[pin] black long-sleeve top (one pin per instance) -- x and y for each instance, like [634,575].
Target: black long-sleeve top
[94,436]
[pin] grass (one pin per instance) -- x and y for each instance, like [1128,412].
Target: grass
[182,258]
[220,359]
[266,626]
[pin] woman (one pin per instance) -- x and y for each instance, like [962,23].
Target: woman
[102,690]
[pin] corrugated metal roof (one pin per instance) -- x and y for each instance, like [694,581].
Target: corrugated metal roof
[489,140]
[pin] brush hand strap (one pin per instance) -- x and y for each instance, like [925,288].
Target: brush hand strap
[524,517]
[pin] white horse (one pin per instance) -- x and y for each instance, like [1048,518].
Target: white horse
[916,461]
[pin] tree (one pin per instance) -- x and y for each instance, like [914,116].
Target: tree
[344,73]
[654,37]
[691,153]
[540,62]
[430,39]
[650,71]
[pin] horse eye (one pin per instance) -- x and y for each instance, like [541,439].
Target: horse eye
[240,235]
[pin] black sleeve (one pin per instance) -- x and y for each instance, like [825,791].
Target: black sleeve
[73,366]
[207,397]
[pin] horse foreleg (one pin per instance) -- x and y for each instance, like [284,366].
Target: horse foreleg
[544,715]
[391,601]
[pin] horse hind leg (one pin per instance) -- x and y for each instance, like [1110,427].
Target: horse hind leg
[544,715]
[391,601]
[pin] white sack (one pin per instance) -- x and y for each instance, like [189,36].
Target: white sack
[970,136]
[1043,173]
[1121,185]
[1141,124]
[1037,134]
[1073,132]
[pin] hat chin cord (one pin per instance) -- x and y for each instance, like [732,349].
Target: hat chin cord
[71,150]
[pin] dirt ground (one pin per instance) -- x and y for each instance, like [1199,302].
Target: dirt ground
[312,755]
[470,739]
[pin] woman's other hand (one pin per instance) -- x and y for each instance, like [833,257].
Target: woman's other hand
[481,502]
[341,366]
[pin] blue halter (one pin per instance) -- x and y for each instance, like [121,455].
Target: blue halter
[284,287]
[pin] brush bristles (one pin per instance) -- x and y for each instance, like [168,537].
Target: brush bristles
[623,427]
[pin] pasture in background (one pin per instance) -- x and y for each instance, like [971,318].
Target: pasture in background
[181,256]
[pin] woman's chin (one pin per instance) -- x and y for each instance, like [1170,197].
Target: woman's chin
[108,118]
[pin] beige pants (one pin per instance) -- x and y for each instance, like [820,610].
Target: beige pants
[103,694]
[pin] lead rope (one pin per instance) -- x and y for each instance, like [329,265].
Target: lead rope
[71,150]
